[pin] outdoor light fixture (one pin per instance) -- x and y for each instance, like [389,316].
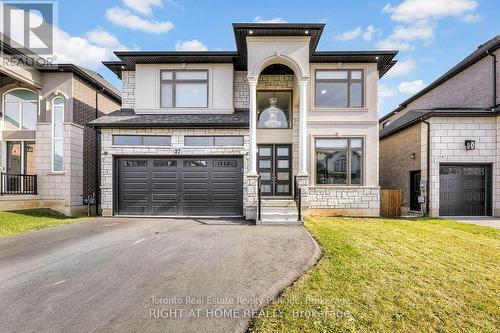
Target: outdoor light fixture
[306,32]
[122,67]
[250,32]
[412,156]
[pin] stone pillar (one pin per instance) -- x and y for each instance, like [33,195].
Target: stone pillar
[252,148]
[251,196]
[303,151]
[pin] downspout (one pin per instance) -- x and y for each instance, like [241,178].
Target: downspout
[427,185]
[97,156]
[494,58]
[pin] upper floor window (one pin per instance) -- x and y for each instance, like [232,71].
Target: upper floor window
[339,88]
[184,89]
[274,109]
[57,134]
[20,110]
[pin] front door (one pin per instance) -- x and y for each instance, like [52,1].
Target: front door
[275,169]
[414,190]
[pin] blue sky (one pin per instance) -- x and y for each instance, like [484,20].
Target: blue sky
[432,35]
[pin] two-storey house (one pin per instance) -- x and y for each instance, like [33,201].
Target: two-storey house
[47,153]
[211,132]
[440,146]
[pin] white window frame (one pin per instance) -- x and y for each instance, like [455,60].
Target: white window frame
[53,137]
[20,128]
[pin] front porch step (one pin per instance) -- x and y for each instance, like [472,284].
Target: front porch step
[280,222]
[278,203]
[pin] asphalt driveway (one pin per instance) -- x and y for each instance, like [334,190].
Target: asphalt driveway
[147,275]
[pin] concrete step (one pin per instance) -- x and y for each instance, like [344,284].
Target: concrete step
[279,222]
[278,216]
[278,203]
[280,209]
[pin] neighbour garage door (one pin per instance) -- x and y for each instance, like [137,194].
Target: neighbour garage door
[465,190]
[180,186]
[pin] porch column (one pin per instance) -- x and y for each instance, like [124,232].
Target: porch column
[252,149]
[303,128]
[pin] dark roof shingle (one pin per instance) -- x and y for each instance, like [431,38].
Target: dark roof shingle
[128,118]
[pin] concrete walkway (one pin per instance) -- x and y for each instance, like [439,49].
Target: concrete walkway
[147,275]
[484,221]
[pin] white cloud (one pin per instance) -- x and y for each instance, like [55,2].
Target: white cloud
[472,18]
[103,38]
[144,7]
[124,18]
[411,87]
[190,45]
[367,33]
[418,19]
[351,34]
[411,10]
[401,68]
[419,30]
[259,19]
[389,44]
[385,92]
[87,50]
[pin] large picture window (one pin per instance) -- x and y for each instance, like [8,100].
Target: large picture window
[339,161]
[274,108]
[20,110]
[184,89]
[339,88]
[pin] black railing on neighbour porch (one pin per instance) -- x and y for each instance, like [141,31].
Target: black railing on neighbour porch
[18,184]
[259,198]
[297,196]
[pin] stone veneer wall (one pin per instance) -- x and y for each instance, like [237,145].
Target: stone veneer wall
[241,94]
[448,135]
[348,201]
[66,187]
[109,151]
[128,93]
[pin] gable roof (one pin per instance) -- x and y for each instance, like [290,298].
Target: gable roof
[481,52]
[128,59]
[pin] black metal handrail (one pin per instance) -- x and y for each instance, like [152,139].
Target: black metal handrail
[18,184]
[297,197]
[259,198]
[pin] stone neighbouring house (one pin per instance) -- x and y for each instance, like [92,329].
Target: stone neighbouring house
[204,133]
[48,153]
[460,114]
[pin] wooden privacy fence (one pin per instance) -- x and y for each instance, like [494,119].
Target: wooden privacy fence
[390,203]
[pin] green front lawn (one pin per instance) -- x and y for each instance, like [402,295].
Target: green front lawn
[379,275]
[33,219]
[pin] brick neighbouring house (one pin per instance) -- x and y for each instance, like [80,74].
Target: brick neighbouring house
[460,113]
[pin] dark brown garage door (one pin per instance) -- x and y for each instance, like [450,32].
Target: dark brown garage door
[179,186]
[465,190]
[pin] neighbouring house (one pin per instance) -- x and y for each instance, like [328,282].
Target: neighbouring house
[203,133]
[449,134]
[47,153]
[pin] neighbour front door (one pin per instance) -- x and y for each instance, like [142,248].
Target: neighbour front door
[275,169]
[414,190]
